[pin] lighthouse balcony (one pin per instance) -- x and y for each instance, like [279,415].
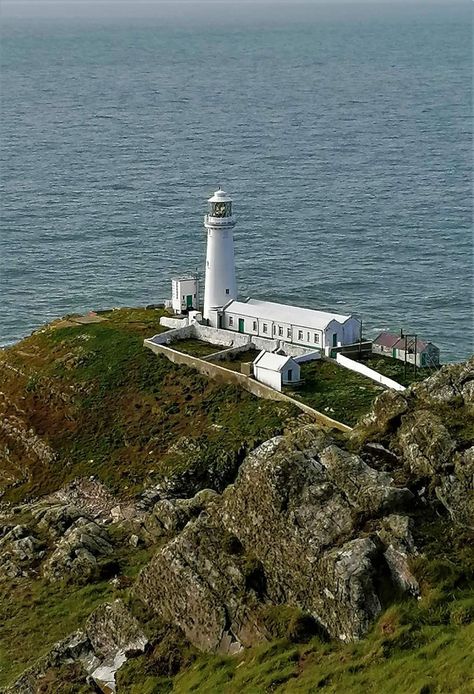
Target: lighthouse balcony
[218,221]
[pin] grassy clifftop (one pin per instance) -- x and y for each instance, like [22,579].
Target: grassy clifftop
[88,399]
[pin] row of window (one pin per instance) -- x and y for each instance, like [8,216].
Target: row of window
[281,331]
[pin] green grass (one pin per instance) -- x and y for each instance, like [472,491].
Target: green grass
[125,406]
[35,614]
[395,369]
[333,390]
[196,348]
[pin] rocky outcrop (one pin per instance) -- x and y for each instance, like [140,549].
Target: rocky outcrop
[286,532]
[78,552]
[456,489]
[430,429]
[20,551]
[111,636]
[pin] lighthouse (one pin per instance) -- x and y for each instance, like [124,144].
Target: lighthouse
[220,286]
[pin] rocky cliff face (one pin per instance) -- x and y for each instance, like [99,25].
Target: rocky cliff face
[319,522]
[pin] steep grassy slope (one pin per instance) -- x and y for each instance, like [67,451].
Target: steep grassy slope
[89,399]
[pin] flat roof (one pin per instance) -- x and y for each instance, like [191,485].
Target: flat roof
[283,313]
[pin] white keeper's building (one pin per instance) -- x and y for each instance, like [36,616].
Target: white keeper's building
[298,326]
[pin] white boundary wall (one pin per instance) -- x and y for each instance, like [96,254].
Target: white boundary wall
[370,373]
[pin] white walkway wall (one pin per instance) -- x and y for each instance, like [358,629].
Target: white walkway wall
[370,373]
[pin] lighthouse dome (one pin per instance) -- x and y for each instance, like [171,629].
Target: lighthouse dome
[220,196]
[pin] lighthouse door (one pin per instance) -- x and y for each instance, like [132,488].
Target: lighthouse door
[189,301]
[241,325]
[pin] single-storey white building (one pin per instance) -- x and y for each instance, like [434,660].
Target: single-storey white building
[406,348]
[185,293]
[300,326]
[275,370]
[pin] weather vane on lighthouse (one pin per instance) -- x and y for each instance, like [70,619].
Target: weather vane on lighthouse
[220,285]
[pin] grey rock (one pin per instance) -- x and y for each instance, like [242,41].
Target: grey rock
[292,509]
[456,490]
[425,444]
[78,551]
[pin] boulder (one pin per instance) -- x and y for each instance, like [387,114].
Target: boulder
[424,443]
[78,552]
[456,490]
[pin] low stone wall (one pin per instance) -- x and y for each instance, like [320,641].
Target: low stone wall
[312,356]
[172,335]
[369,373]
[354,350]
[168,322]
[217,372]
[225,353]
[218,336]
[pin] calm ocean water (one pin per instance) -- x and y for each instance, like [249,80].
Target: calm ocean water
[344,134]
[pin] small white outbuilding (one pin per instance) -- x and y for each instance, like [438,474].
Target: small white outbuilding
[275,370]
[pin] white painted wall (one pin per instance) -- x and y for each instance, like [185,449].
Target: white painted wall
[182,288]
[221,285]
[294,367]
[168,322]
[309,356]
[370,373]
[269,377]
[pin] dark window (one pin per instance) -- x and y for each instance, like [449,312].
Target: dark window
[265,328]
[255,325]
[290,375]
[227,291]
[280,330]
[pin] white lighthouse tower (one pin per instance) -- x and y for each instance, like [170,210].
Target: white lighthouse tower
[220,286]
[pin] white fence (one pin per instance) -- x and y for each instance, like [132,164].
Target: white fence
[370,373]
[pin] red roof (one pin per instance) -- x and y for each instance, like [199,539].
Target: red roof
[386,339]
[391,341]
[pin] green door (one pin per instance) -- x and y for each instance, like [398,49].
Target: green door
[241,325]
[334,339]
[189,301]
[394,353]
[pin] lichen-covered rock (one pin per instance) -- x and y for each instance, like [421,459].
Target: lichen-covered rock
[110,637]
[424,442]
[114,635]
[395,533]
[171,515]
[78,551]
[452,385]
[20,551]
[293,514]
[456,490]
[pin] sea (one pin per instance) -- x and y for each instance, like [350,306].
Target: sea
[342,130]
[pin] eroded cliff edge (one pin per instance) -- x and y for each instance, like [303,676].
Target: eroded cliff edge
[335,527]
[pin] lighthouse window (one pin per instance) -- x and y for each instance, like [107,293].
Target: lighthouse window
[265,328]
[300,334]
[288,332]
[316,338]
[280,330]
[227,291]
[255,325]
[231,320]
